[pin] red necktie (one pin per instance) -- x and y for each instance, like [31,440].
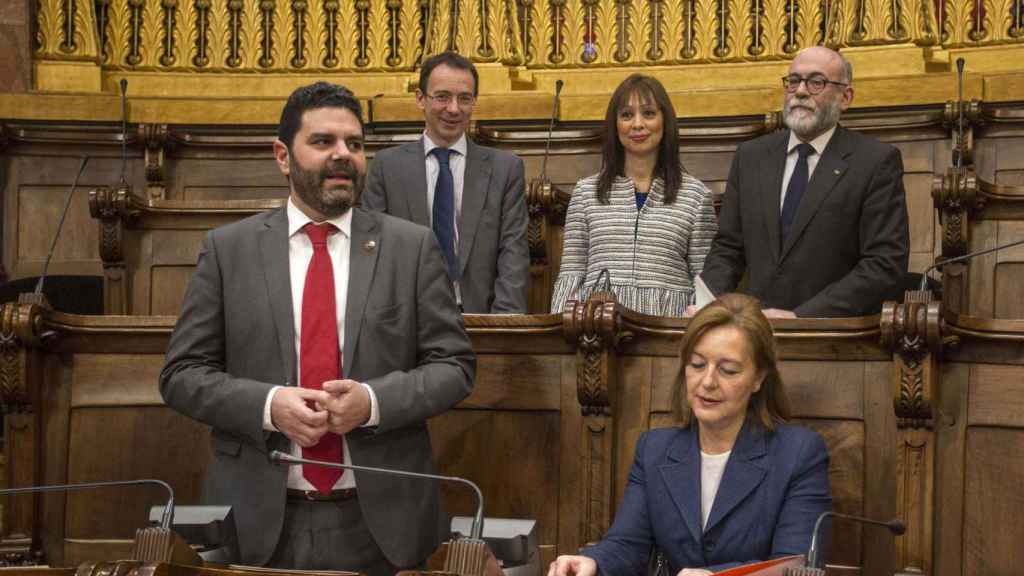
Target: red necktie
[320,359]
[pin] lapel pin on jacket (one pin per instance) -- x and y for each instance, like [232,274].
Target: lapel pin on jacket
[837,171]
[369,246]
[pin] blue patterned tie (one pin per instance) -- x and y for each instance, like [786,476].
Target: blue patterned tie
[444,210]
[796,188]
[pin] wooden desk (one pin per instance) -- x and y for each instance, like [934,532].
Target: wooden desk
[548,432]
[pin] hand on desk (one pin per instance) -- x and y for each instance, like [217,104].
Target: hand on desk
[777,313]
[573,566]
[292,412]
[347,405]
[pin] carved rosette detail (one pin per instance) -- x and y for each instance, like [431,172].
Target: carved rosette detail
[21,326]
[156,142]
[546,205]
[962,127]
[955,195]
[22,559]
[912,331]
[113,208]
[594,327]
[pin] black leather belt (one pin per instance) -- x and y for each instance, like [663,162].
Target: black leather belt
[318,496]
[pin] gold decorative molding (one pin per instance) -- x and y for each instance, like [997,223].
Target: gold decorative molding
[274,36]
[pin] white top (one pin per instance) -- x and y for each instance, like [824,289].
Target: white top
[651,254]
[300,253]
[712,466]
[818,144]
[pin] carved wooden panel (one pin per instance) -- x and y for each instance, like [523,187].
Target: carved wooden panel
[919,165]
[991,280]
[106,438]
[994,278]
[510,454]
[993,526]
[227,177]
[204,165]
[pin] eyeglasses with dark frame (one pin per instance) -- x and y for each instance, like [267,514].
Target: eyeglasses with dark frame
[464,100]
[815,83]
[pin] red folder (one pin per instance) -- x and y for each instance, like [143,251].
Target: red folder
[775,567]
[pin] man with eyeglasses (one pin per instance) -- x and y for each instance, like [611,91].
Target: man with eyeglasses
[474,197]
[815,215]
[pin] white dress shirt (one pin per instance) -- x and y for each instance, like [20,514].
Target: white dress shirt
[457,164]
[792,156]
[300,253]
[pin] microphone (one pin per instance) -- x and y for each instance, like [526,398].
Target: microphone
[64,213]
[958,154]
[968,256]
[124,130]
[896,526]
[165,521]
[477,529]
[551,127]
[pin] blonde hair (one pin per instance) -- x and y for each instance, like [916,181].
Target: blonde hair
[769,405]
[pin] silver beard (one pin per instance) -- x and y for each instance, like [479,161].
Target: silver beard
[822,118]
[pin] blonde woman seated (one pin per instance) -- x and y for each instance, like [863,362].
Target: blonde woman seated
[734,484]
[642,218]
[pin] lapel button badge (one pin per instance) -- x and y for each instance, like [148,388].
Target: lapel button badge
[369,246]
[837,171]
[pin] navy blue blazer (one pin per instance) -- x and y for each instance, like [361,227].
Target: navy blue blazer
[774,487]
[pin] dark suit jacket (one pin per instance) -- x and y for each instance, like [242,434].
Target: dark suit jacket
[404,337]
[493,253]
[774,487]
[848,248]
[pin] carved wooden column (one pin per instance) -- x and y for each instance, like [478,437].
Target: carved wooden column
[912,332]
[546,205]
[113,208]
[156,143]
[955,197]
[594,327]
[20,370]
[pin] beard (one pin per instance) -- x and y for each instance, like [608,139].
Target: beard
[333,201]
[811,118]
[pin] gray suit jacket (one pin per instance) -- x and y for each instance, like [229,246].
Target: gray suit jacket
[404,337]
[493,252]
[848,247]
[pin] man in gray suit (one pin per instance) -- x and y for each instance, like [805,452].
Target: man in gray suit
[474,197]
[815,215]
[356,308]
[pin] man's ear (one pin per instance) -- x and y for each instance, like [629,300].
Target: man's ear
[847,98]
[281,156]
[421,99]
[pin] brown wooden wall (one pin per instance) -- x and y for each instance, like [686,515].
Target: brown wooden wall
[185,180]
[919,408]
[544,436]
